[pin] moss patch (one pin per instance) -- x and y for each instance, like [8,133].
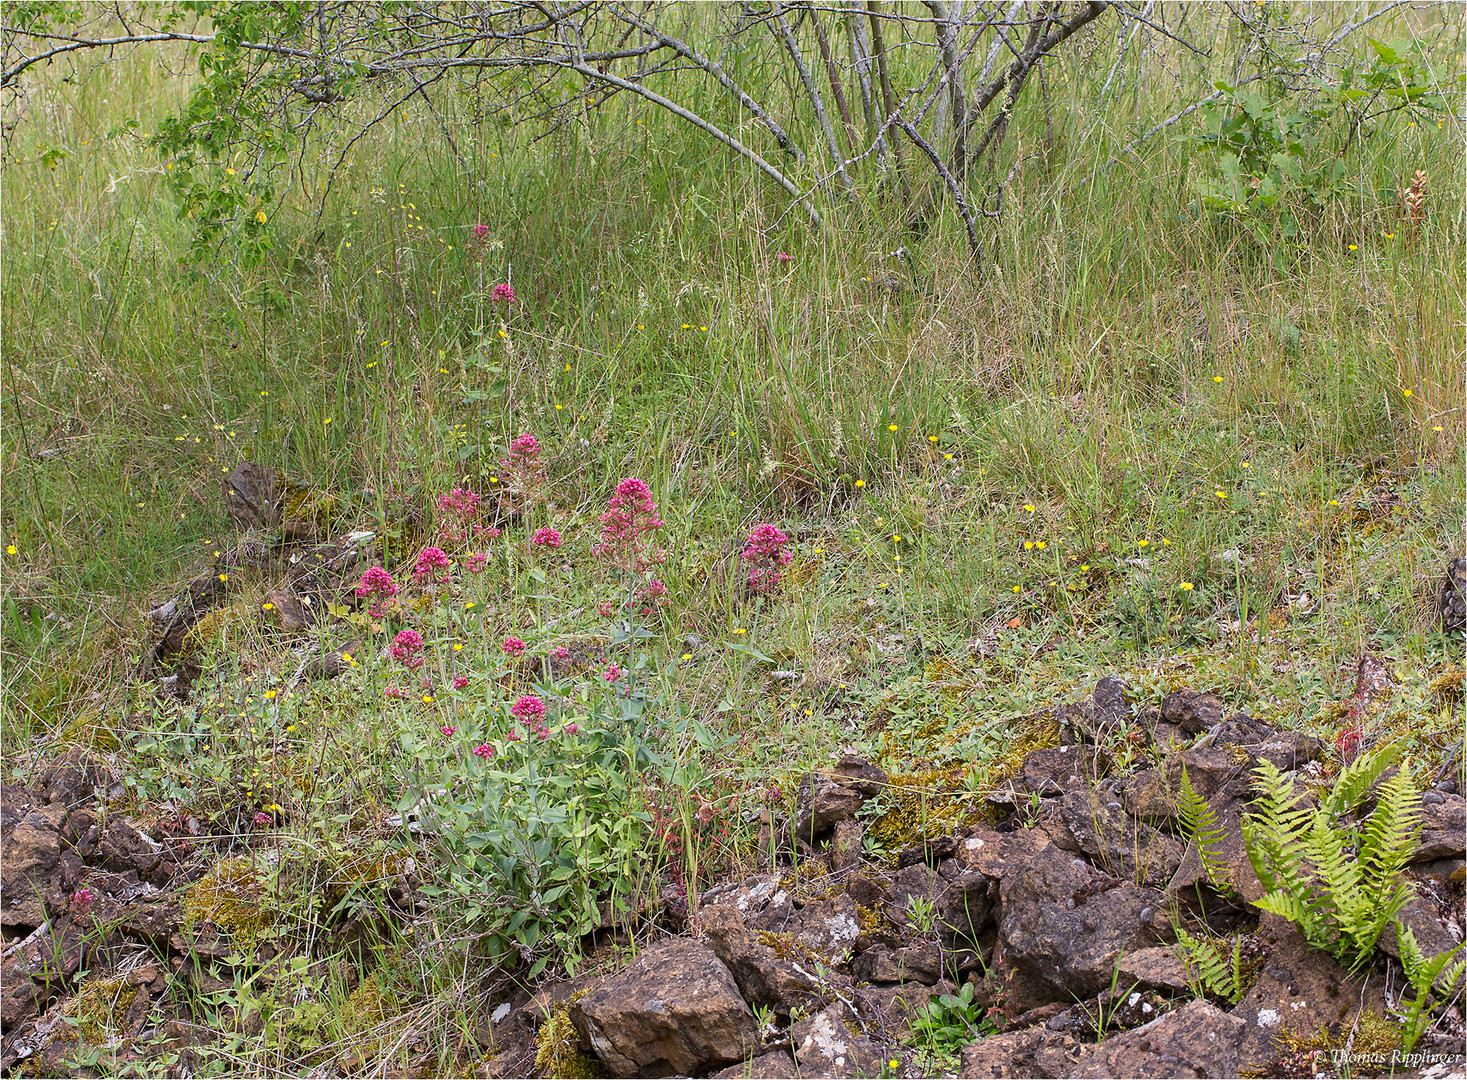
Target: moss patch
[558,1049]
[99,1008]
[233,897]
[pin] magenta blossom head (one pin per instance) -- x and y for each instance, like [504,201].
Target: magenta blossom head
[560,652]
[460,682]
[504,293]
[529,710]
[262,818]
[546,537]
[784,256]
[626,527]
[611,674]
[512,646]
[407,648]
[447,730]
[475,563]
[484,750]
[377,580]
[429,560]
[571,729]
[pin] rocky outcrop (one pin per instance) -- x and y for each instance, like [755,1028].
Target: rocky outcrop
[675,1011]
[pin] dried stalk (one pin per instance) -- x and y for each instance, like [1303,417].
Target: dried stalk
[812,88]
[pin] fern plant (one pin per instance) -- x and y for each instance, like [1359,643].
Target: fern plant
[1211,969]
[1425,977]
[1202,828]
[1340,883]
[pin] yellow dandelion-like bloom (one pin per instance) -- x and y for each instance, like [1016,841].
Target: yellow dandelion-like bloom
[427,699]
[1434,427]
[1029,507]
[1406,392]
[932,438]
[267,607]
[458,646]
[1028,545]
[503,333]
[891,427]
[1085,568]
[1041,545]
[559,407]
[704,329]
[1165,541]
[1334,502]
[819,551]
[947,457]
[687,656]
[1354,247]
[223,577]
[269,694]
[1185,586]
[469,606]
[741,630]
[897,537]
[260,217]
[687,326]
[1017,589]
[1142,542]
[860,483]
[1220,495]
[1217,378]
[327,420]
[10,548]
[1391,235]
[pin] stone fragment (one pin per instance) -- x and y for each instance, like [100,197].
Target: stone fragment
[1097,827]
[829,1044]
[1197,1040]
[763,977]
[675,1010]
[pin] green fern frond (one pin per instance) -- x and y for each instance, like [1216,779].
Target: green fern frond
[1273,832]
[1426,977]
[1202,827]
[1210,969]
[1353,783]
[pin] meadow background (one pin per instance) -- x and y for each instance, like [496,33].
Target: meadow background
[1196,447]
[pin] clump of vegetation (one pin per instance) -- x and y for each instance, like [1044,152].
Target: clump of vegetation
[235,897]
[558,1049]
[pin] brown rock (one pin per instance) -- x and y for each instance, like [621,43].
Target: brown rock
[845,846]
[1156,968]
[1300,990]
[762,976]
[1230,852]
[1053,772]
[333,662]
[1443,827]
[1197,1040]
[32,860]
[921,963]
[775,1065]
[1451,597]
[829,1044]
[1100,829]
[286,612]
[1036,1052]
[888,1009]
[833,795]
[1065,924]
[676,1009]
[1192,711]
[253,495]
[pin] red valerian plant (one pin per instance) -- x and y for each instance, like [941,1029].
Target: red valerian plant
[767,553]
[627,528]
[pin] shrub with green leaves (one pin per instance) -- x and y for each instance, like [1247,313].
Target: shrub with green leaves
[1337,879]
[538,824]
[947,1024]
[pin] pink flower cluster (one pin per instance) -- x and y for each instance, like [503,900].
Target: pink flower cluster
[474,564]
[767,550]
[524,471]
[504,293]
[626,528]
[456,511]
[546,538]
[460,682]
[530,711]
[430,560]
[378,584]
[407,648]
[484,750]
[478,242]
[784,257]
[82,899]
[512,646]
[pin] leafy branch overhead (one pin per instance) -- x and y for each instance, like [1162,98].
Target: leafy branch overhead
[288,91]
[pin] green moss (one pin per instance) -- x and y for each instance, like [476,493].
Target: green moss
[928,804]
[558,1050]
[232,897]
[1373,1036]
[99,1008]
